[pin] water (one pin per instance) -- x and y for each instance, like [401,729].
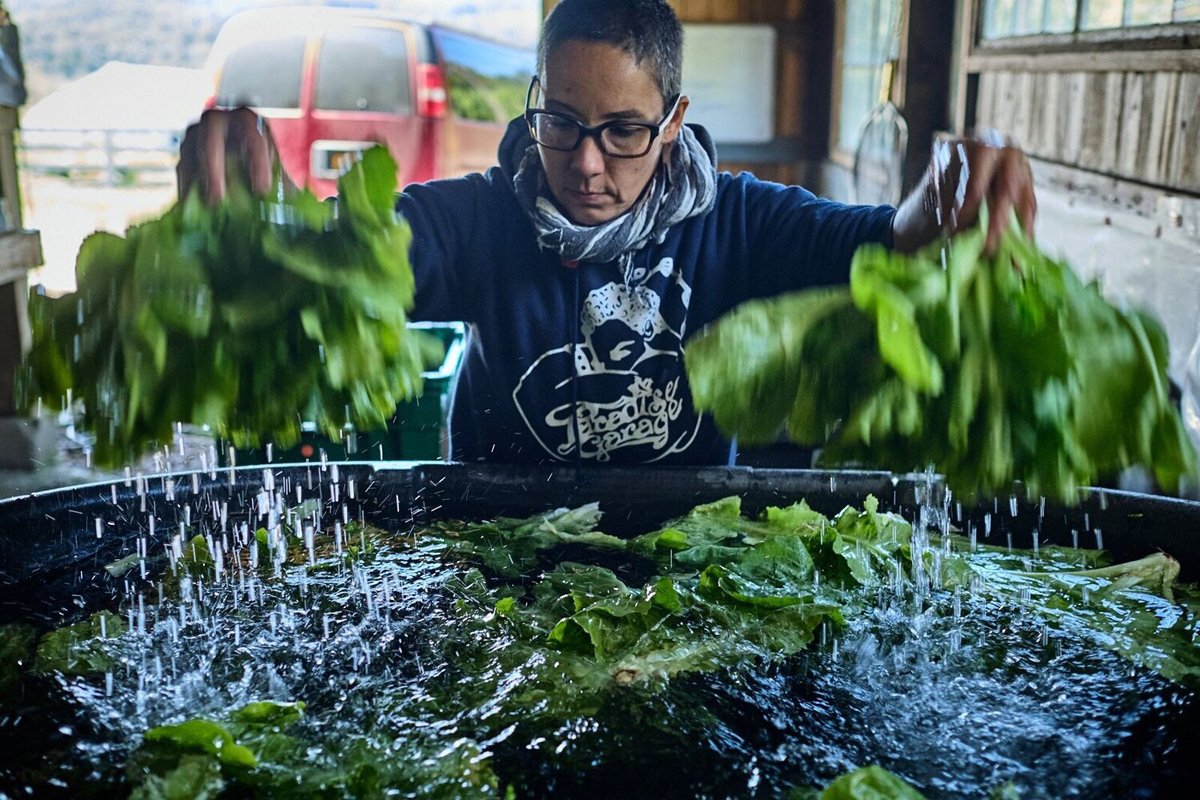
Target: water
[956,691]
[965,712]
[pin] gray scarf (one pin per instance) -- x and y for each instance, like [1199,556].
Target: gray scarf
[684,186]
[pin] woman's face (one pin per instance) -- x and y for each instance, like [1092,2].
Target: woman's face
[594,83]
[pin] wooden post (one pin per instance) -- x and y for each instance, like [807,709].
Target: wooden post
[20,251]
[110,160]
[929,39]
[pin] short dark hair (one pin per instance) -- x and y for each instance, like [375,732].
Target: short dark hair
[646,29]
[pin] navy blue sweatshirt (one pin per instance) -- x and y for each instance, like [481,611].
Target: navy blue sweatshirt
[583,362]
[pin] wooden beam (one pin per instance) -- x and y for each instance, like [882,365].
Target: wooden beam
[964,38]
[926,78]
[1185,160]
[1096,61]
[20,251]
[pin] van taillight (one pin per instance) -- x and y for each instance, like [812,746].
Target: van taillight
[431,91]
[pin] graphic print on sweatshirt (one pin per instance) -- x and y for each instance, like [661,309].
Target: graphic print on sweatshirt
[632,398]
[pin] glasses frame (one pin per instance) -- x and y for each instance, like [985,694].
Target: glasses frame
[596,132]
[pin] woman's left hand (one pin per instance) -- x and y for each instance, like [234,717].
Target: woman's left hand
[963,175]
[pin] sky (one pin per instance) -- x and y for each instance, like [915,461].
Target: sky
[515,21]
[509,20]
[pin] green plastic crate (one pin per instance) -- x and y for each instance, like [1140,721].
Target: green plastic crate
[416,433]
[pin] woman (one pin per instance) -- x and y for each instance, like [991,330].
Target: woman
[606,236]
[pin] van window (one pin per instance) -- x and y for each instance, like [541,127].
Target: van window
[263,75]
[485,80]
[364,69]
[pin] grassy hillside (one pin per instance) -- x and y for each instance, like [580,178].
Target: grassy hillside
[70,38]
[65,39]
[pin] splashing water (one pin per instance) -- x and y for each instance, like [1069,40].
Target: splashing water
[952,689]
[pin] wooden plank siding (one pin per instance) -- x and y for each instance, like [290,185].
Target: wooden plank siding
[794,45]
[1136,125]
[1185,154]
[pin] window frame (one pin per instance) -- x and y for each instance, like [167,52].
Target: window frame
[1173,36]
[838,155]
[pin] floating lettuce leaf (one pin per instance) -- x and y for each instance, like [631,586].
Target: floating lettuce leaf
[597,623]
[1130,608]
[248,317]
[203,736]
[876,783]
[18,644]
[249,755]
[270,713]
[510,546]
[992,370]
[194,777]
[728,587]
[870,783]
[79,649]
[202,755]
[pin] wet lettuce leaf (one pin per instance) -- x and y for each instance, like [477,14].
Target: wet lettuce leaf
[79,649]
[876,783]
[1131,608]
[246,317]
[719,586]
[510,546]
[251,754]
[193,778]
[991,370]
[594,621]
[18,643]
[870,783]
[203,736]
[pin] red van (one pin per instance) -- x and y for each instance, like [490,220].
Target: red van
[334,81]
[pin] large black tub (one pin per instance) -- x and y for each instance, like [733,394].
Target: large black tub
[49,546]
[55,547]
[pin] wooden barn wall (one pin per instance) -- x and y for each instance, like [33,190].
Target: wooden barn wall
[802,75]
[1112,121]
[1140,125]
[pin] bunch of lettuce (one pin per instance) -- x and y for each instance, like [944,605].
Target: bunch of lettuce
[991,369]
[247,316]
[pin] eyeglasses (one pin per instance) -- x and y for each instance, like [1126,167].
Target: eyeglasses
[618,138]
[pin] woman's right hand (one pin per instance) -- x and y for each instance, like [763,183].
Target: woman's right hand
[222,141]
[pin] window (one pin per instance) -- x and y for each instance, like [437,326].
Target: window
[485,80]
[1003,18]
[364,69]
[1008,18]
[1099,14]
[870,40]
[263,75]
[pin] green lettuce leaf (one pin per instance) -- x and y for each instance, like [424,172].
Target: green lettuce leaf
[79,649]
[203,736]
[870,783]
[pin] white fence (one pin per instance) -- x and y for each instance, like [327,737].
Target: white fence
[111,157]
